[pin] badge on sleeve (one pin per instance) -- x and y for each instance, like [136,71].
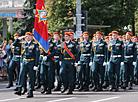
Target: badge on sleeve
[37,49]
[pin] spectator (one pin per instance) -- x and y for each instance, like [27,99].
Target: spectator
[5,63]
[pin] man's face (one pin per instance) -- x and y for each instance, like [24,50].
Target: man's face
[56,37]
[124,38]
[85,36]
[107,40]
[66,37]
[81,38]
[98,36]
[135,40]
[110,38]
[128,37]
[114,36]
[28,37]
[49,37]
[72,36]
[16,37]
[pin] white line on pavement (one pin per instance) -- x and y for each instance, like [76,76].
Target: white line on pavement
[7,89]
[105,99]
[62,99]
[10,99]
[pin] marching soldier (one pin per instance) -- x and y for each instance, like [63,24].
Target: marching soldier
[100,51]
[57,59]
[116,48]
[30,52]
[47,68]
[39,66]
[69,60]
[15,59]
[84,71]
[130,55]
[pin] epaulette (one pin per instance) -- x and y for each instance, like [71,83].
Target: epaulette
[53,41]
[34,42]
[73,41]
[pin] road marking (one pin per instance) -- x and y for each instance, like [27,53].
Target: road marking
[10,99]
[62,99]
[7,89]
[105,99]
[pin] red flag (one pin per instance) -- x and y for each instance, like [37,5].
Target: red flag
[40,26]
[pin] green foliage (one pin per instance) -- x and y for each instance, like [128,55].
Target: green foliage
[26,23]
[117,13]
[9,36]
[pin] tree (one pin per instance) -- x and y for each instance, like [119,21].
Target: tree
[26,24]
[60,13]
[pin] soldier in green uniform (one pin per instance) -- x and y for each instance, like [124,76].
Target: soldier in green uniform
[130,56]
[100,53]
[84,71]
[47,68]
[116,48]
[57,59]
[136,66]
[15,59]
[69,60]
[30,52]
[39,66]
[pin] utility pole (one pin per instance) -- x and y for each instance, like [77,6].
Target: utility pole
[78,16]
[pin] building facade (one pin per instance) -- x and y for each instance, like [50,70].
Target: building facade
[9,10]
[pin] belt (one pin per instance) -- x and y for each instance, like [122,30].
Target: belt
[68,58]
[56,56]
[115,55]
[29,59]
[129,56]
[17,55]
[99,55]
[85,54]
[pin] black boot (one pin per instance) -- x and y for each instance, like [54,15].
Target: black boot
[124,85]
[91,86]
[94,88]
[86,88]
[44,89]
[81,87]
[10,84]
[106,84]
[30,95]
[38,85]
[99,88]
[24,90]
[57,88]
[78,86]
[48,91]
[130,87]
[116,89]
[70,91]
[19,91]
[136,83]
[16,89]
[65,87]
[112,86]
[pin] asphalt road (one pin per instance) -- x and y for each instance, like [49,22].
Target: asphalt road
[7,95]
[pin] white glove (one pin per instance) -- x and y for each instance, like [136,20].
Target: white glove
[44,58]
[21,37]
[107,63]
[122,63]
[134,63]
[20,64]
[75,64]
[104,64]
[60,63]
[90,64]
[35,68]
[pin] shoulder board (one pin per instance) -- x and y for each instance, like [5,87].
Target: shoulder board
[73,41]
[34,42]
[53,41]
